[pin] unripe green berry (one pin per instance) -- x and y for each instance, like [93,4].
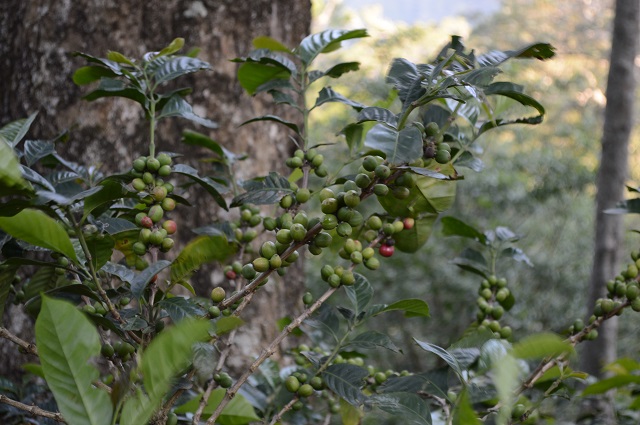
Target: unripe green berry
[401,192]
[329,206]
[249,235]
[443,156]
[298,232]
[632,292]
[329,222]
[248,272]
[362,180]
[166,245]
[323,240]
[305,390]
[139,248]
[107,350]
[398,226]
[138,184]
[334,280]
[369,163]
[344,229]
[380,189]
[164,170]
[269,223]
[356,257]
[635,304]
[382,171]
[268,249]
[351,199]
[321,171]
[153,164]
[218,294]
[275,262]
[292,384]
[260,264]
[326,272]
[155,213]
[388,229]
[303,195]
[286,201]
[317,161]
[326,193]
[347,278]
[148,178]
[307,298]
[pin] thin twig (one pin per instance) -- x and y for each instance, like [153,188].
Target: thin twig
[282,411]
[34,410]
[28,347]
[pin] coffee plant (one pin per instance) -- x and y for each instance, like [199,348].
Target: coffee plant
[92,257]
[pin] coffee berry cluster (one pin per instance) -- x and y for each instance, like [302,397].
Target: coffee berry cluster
[494,299]
[433,144]
[154,192]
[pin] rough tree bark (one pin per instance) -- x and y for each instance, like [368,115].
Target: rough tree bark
[618,123]
[36,65]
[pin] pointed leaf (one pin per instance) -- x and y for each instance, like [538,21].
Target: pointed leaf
[110,87]
[274,118]
[180,308]
[263,190]
[360,293]
[517,254]
[540,51]
[338,70]
[112,190]
[346,380]
[463,413]
[173,47]
[177,66]
[215,189]
[472,261]
[13,132]
[410,407]
[372,340]
[399,146]
[178,107]
[67,342]
[226,324]
[324,42]
[10,170]
[143,278]
[406,79]
[123,273]
[327,94]
[31,176]
[412,308]
[204,359]
[375,113]
[91,73]
[452,226]
[193,138]
[604,385]
[6,281]
[35,150]
[199,251]
[443,354]
[37,228]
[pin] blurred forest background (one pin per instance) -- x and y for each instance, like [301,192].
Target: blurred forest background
[538,181]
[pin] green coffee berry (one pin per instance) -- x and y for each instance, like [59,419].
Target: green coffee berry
[317,383]
[347,278]
[269,223]
[326,272]
[298,232]
[249,235]
[107,350]
[139,248]
[248,272]
[307,298]
[166,245]
[334,280]
[351,199]
[356,257]
[317,161]
[443,156]
[155,213]
[401,192]
[398,226]
[321,171]
[406,180]
[329,206]
[329,222]
[302,195]
[218,294]
[322,239]
[380,189]
[164,170]
[382,171]
[305,390]
[292,384]
[261,264]
[268,249]
[156,238]
[344,229]
[138,184]
[275,262]
[148,178]
[153,164]
[363,180]
[431,129]
[286,201]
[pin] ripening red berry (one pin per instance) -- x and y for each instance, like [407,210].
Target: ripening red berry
[146,222]
[230,274]
[409,223]
[386,250]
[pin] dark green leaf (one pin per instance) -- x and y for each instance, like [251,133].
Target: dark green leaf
[406,79]
[469,161]
[114,226]
[539,51]
[31,176]
[411,240]
[410,407]
[325,42]
[180,308]
[452,226]
[66,343]
[215,189]
[263,190]
[412,307]
[204,359]
[35,150]
[237,412]
[60,199]
[178,107]
[123,273]
[326,320]
[375,113]
[399,146]
[372,340]
[472,261]
[101,250]
[359,294]
[516,254]
[37,228]
[274,118]
[199,251]
[143,278]
[177,66]
[193,138]
[11,175]
[327,94]
[264,42]
[338,70]
[13,132]
[110,87]
[353,133]
[42,280]
[463,413]
[346,380]
[514,92]
[443,354]
[216,229]
[252,75]
[112,190]
[91,73]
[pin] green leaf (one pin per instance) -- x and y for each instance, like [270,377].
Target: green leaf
[607,384]
[411,240]
[143,278]
[37,228]
[119,58]
[541,345]
[226,324]
[443,354]
[215,189]
[110,87]
[67,343]
[506,378]
[406,79]
[346,380]
[180,308]
[199,251]
[349,414]
[410,407]
[327,321]
[274,118]
[176,106]
[452,226]
[137,409]
[264,42]
[193,138]
[512,91]
[35,150]
[263,190]
[10,171]
[463,413]
[89,74]
[372,340]
[472,261]
[338,70]
[517,254]
[252,75]
[399,147]
[177,66]
[112,190]
[101,250]
[123,273]
[360,293]
[33,177]
[327,94]
[6,280]
[42,280]
[205,356]
[13,132]
[353,133]
[324,42]
[412,308]
[237,412]
[375,113]
[540,51]
[173,47]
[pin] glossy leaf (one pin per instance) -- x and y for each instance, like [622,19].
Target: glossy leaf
[176,106]
[274,118]
[443,354]
[173,47]
[410,407]
[89,74]
[327,321]
[143,278]
[452,226]
[252,75]
[263,190]
[375,113]
[177,66]
[346,380]
[32,176]
[517,254]
[411,240]
[541,345]
[66,343]
[101,250]
[193,138]
[34,150]
[37,228]
[237,412]
[398,146]
[180,308]
[42,280]
[110,87]
[264,42]
[515,92]
[199,251]
[406,79]
[372,340]
[340,69]
[360,293]
[10,171]
[324,42]
[111,190]
[429,195]
[13,132]
[215,189]
[412,308]
[540,51]
[327,94]
[204,359]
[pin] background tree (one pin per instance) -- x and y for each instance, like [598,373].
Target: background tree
[39,37]
[618,124]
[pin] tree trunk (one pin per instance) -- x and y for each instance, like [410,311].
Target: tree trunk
[618,122]
[35,75]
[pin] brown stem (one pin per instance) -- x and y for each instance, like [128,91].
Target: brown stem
[34,410]
[268,352]
[28,347]
[282,411]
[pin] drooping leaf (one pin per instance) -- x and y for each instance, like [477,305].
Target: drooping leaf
[360,293]
[327,94]
[324,42]
[340,69]
[177,66]
[143,278]
[101,250]
[452,226]
[606,384]
[515,92]
[34,150]
[33,177]
[443,354]
[119,58]
[13,132]
[410,407]
[406,79]
[517,254]
[541,345]
[237,412]
[412,307]
[10,171]
[66,343]
[199,251]
[540,51]
[176,106]
[399,146]
[180,308]
[263,190]
[346,380]
[193,138]
[173,47]
[110,87]
[326,320]
[277,119]
[111,190]
[89,74]
[215,189]
[353,133]
[372,340]
[350,414]
[37,228]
